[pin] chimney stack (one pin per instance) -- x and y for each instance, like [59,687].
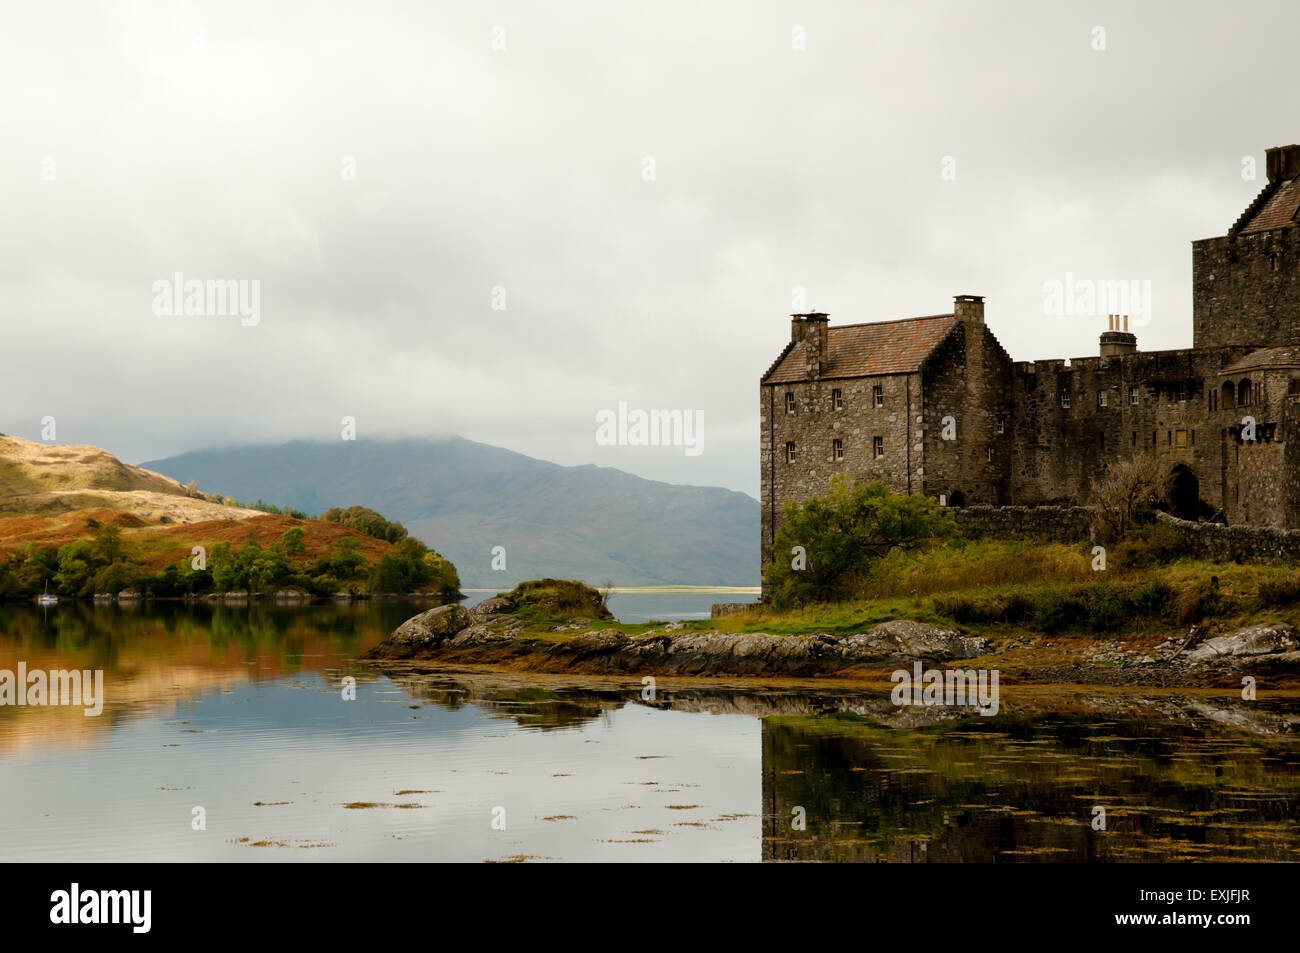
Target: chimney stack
[812,329]
[1282,163]
[968,308]
[1116,341]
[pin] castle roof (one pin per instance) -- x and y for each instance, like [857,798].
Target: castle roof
[1265,357]
[1275,207]
[864,350]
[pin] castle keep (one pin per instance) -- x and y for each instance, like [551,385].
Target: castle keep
[935,405]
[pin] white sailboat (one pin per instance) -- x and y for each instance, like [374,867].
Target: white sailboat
[45,598]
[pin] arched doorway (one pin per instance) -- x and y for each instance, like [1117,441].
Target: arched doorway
[1184,493]
[1229,399]
[956,498]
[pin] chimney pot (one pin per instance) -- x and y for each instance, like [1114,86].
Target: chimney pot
[1114,342]
[813,329]
[1282,163]
[968,308]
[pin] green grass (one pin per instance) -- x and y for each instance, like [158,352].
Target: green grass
[1004,587]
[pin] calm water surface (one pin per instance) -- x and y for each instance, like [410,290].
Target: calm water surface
[239,711]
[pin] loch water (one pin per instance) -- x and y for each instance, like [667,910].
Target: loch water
[235,716]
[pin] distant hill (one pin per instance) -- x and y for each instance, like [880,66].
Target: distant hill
[464,498]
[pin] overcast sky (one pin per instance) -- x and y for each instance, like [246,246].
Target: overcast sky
[380,168]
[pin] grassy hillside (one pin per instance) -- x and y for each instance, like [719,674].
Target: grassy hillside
[38,478]
[587,522]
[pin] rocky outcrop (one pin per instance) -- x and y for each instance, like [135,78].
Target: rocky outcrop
[433,627]
[1254,640]
[488,634]
[904,637]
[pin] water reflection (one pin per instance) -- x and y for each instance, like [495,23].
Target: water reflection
[238,709]
[1027,788]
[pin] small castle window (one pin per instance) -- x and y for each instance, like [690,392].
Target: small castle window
[1135,438]
[877,446]
[988,454]
[837,449]
[1293,387]
[790,451]
[837,399]
[1001,425]
[1180,393]
[1180,438]
[1133,396]
[1101,398]
[789,402]
[1154,441]
[1065,399]
[1274,261]
[878,395]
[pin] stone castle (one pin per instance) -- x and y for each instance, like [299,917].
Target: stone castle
[935,405]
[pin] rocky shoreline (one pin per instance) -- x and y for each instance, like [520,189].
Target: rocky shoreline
[489,634]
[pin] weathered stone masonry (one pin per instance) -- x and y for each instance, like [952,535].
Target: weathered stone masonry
[1042,432]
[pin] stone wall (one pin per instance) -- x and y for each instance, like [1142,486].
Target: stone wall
[1061,524]
[967,378]
[1246,289]
[816,423]
[1248,544]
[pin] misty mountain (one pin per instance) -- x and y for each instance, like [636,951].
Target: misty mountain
[463,498]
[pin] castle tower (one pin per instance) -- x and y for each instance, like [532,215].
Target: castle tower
[1246,285]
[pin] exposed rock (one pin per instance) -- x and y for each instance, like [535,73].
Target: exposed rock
[479,634]
[1253,640]
[593,643]
[681,650]
[913,639]
[434,626]
[490,607]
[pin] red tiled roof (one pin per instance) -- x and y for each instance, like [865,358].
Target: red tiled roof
[1279,209]
[863,350]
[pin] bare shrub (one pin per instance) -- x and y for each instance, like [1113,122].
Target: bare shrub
[1126,492]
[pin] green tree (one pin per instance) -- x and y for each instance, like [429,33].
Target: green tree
[108,543]
[345,558]
[293,541]
[828,545]
[367,522]
[76,568]
[221,563]
[391,574]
